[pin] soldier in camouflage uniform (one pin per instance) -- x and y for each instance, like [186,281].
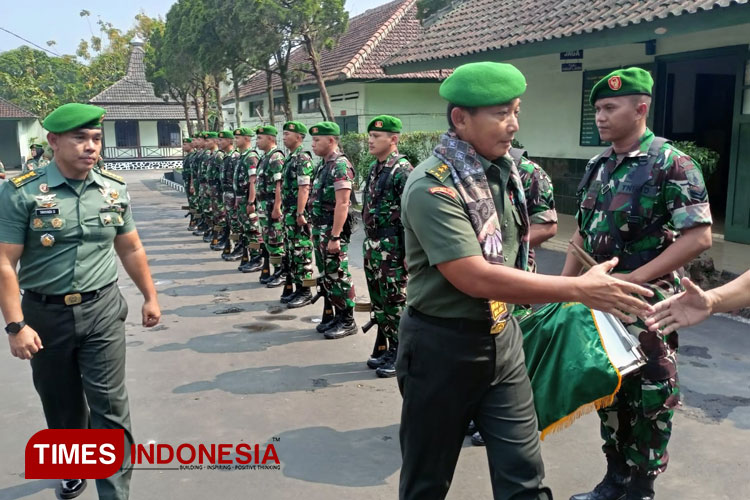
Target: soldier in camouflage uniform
[229,197]
[383,246]
[331,227]
[187,177]
[645,202]
[198,145]
[215,174]
[211,141]
[298,171]
[244,177]
[268,186]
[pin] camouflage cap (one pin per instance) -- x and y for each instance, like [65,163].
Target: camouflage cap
[627,81]
[482,84]
[73,116]
[325,128]
[294,126]
[385,123]
[244,131]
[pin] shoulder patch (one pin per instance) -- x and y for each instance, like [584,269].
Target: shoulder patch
[107,173]
[20,180]
[441,172]
[443,190]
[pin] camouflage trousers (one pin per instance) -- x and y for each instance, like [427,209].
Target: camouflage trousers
[299,247]
[333,268]
[249,226]
[231,212]
[204,202]
[218,210]
[273,230]
[386,282]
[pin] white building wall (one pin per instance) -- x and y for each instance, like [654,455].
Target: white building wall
[147,133]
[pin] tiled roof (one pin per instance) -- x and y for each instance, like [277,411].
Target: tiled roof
[10,110]
[146,112]
[133,87]
[370,38]
[475,26]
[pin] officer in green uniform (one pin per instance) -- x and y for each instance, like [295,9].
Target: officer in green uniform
[244,188]
[187,176]
[64,223]
[298,172]
[209,184]
[217,183]
[643,201]
[331,228]
[268,186]
[460,349]
[383,246]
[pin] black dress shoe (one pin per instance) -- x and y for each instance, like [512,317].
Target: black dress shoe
[477,439]
[387,369]
[71,488]
[302,297]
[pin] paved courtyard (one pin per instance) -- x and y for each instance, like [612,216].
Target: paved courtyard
[227,364]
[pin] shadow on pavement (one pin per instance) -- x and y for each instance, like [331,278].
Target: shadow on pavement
[283,378]
[242,341]
[28,488]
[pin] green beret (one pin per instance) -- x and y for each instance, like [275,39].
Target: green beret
[36,146]
[482,84]
[187,140]
[210,135]
[385,123]
[628,81]
[73,116]
[267,130]
[293,126]
[325,128]
[226,134]
[244,131]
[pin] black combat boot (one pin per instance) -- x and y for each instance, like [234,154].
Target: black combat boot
[200,229]
[277,278]
[302,297]
[238,253]
[265,272]
[192,225]
[255,264]
[328,320]
[220,241]
[245,258]
[641,486]
[477,439]
[208,235]
[344,327]
[613,486]
[227,251]
[378,351]
[388,368]
[289,292]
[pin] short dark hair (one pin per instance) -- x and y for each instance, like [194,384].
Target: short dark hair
[470,110]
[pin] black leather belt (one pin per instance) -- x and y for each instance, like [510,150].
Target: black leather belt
[464,324]
[70,299]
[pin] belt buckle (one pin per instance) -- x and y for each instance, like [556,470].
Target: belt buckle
[72,299]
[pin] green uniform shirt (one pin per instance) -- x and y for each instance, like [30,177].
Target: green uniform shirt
[44,207]
[438,229]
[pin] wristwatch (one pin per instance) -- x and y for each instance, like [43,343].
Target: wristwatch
[14,328]
[335,238]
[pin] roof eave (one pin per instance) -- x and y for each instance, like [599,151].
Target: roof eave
[676,25]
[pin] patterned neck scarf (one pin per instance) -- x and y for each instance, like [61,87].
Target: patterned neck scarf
[471,183]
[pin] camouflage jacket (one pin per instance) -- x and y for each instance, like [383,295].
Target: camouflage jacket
[298,171]
[244,168]
[187,165]
[269,172]
[214,167]
[203,162]
[227,171]
[673,198]
[537,186]
[330,176]
[381,203]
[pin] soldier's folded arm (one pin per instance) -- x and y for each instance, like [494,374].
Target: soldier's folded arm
[444,231]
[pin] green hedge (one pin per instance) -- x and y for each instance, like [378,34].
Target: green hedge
[708,159]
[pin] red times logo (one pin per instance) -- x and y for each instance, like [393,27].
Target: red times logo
[89,453]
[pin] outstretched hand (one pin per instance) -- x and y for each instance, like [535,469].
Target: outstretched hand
[687,308]
[606,293]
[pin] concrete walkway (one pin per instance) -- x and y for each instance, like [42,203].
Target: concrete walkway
[228,365]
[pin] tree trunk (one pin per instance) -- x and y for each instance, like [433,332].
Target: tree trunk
[269,90]
[282,65]
[315,61]
[204,96]
[196,105]
[186,108]
[237,112]
[219,109]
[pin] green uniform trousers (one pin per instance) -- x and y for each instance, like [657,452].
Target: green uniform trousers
[298,246]
[386,282]
[273,230]
[451,371]
[334,268]
[80,373]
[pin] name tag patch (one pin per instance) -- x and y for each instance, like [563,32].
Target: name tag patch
[443,190]
[48,211]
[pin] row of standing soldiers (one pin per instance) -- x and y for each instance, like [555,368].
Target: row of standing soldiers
[265,208]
